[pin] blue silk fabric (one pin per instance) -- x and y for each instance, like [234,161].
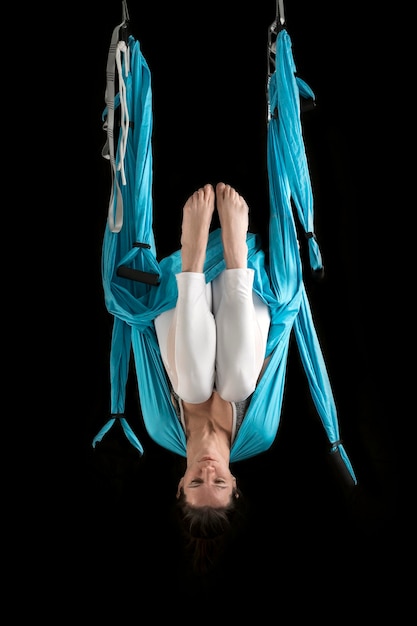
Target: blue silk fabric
[278,278]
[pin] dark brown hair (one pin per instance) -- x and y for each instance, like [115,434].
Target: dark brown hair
[207,530]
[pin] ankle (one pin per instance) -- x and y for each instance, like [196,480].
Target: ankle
[236,257]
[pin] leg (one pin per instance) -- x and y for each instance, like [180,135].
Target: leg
[196,220]
[234,221]
[242,319]
[187,334]
[196,299]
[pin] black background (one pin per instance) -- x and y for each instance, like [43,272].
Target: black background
[309,547]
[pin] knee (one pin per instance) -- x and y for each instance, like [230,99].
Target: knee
[237,386]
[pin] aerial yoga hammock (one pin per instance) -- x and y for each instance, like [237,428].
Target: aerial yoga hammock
[138,287]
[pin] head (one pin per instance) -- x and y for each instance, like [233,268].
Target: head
[208,482]
[207,499]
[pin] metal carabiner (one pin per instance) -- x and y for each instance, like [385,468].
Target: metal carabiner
[273,30]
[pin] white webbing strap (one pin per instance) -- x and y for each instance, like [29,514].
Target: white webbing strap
[114,59]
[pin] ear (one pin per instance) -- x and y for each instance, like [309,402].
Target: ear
[180,486]
[236,493]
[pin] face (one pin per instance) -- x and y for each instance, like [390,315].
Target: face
[208,482]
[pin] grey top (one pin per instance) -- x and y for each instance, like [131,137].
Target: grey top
[239,411]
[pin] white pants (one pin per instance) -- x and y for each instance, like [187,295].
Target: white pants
[215,337]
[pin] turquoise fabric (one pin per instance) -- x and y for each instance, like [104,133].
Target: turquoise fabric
[278,278]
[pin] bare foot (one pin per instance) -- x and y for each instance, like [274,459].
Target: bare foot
[196,220]
[234,221]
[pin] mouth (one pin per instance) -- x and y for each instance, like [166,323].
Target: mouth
[207,458]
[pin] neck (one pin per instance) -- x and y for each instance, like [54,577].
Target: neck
[208,428]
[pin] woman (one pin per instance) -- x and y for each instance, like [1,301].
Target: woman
[210,346]
[213,346]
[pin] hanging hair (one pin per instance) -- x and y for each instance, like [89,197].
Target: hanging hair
[207,530]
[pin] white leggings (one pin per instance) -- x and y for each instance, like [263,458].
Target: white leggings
[215,337]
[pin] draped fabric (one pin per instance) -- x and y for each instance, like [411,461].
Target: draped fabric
[129,242]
